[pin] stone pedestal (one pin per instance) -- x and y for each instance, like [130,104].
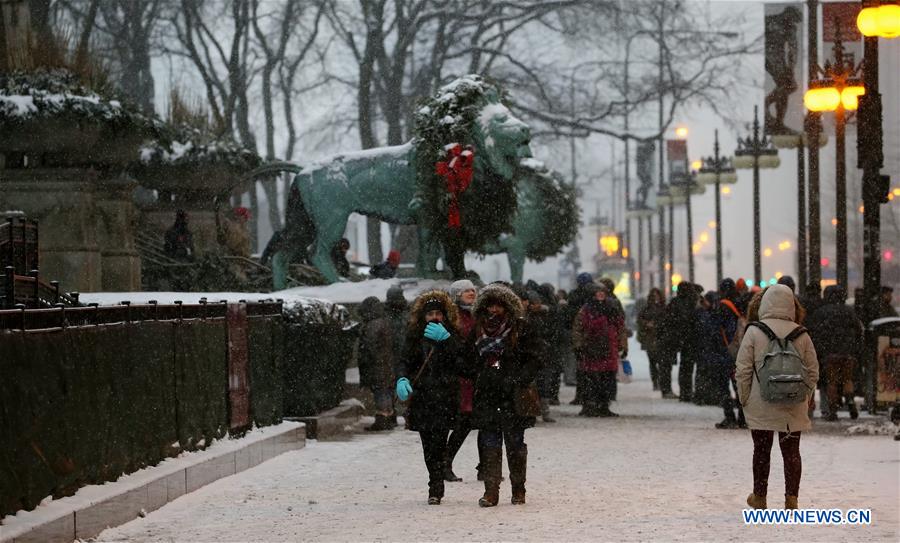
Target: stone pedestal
[116,218]
[62,200]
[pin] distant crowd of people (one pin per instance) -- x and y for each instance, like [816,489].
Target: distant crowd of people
[702,331]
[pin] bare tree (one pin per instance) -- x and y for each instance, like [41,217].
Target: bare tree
[222,59]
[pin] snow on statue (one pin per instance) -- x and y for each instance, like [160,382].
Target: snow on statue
[454,180]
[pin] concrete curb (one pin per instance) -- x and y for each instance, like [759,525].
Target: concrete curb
[331,424]
[97,507]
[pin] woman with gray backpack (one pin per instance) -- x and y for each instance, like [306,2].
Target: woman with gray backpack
[776,373]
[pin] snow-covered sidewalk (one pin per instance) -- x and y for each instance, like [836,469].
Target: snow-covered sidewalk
[659,472]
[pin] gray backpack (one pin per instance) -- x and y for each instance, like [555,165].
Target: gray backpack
[780,375]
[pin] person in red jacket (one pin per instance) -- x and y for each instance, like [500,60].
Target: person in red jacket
[463,294]
[597,334]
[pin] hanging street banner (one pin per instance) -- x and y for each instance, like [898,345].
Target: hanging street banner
[784,84]
[677,155]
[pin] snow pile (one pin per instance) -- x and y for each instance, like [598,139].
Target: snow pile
[185,145]
[53,93]
[295,307]
[873,428]
[354,293]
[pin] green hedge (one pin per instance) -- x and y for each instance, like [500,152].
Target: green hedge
[83,405]
[316,356]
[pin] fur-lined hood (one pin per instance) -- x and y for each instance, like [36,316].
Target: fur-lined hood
[497,293]
[417,313]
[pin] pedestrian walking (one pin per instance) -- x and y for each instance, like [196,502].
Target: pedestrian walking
[779,312]
[596,338]
[732,325]
[376,361]
[707,341]
[506,361]
[649,335]
[558,345]
[679,328]
[837,334]
[464,294]
[576,299]
[428,376]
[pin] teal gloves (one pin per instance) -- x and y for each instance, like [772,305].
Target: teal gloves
[404,389]
[435,331]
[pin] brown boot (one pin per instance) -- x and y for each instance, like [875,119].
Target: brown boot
[790,502]
[756,502]
[518,460]
[490,468]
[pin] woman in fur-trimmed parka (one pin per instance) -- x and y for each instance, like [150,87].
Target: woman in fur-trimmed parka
[505,361]
[428,375]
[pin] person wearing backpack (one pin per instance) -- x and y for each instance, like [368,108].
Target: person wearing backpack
[776,373]
[596,339]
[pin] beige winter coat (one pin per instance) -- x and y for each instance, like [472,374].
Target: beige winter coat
[777,311]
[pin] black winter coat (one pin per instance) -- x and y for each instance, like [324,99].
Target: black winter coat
[835,329]
[496,388]
[434,403]
[679,326]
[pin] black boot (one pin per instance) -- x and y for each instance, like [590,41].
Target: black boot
[518,460]
[545,411]
[851,406]
[435,487]
[449,476]
[491,468]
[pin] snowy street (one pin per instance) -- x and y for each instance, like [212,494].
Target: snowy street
[659,472]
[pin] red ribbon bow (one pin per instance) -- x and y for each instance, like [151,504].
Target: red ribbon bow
[457,170]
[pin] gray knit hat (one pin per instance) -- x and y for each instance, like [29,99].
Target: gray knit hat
[458,287]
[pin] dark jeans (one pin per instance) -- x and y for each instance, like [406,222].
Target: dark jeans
[434,449]
[762,454]
[726,384]
[663,363]
[599,387]
[490,439]
[686,377]
[839,370]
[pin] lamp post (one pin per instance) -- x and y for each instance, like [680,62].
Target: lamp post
[874,21]
[686,185]
[717,170]
[667,197]
[837,90]
[756,152]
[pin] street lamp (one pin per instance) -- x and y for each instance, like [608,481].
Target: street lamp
[686,185]
[756,152]
[879,21]
[838,90]
[717,170]
[874,22]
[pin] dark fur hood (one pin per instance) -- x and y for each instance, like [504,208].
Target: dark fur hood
[501,294]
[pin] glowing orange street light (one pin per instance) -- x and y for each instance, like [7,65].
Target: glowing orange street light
[681,132]
[882,21]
